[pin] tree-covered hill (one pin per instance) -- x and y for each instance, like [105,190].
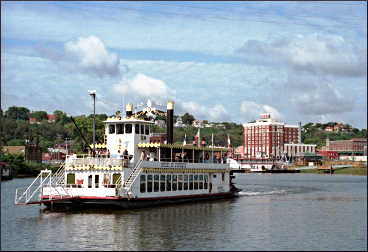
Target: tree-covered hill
[16,129]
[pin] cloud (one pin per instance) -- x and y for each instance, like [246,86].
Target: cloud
[252,110]
[316,53]
[87,55]
[316,96]
[217,113]
[145,86]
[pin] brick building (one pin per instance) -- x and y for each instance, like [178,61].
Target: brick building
[354,146]
[267,138]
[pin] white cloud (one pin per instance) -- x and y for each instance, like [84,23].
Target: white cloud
[252,110]
[142,85]
[92,56]
[315,53]
[87,55]
[216,114]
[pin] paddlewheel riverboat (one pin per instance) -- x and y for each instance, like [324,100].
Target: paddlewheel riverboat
[134,171]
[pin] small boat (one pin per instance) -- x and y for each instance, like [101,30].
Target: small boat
[135,169]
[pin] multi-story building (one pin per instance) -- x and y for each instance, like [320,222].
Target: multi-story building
[354,146]
[267,138]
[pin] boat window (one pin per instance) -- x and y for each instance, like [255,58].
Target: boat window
[142,129]
[168,182]
[115,178]
[107,178]
[162,183]
[156,183]
[180,182]
[174,182]
[223,177]
[111,128]
[136,128]
[205,181]
[147,130]
[120,128]
[70,179]
[97,180]
[143,184]
[190,182]
[149,183]
[200,181]
[128,128]
[185,182]
[196,182]
[214,175]
[90,181]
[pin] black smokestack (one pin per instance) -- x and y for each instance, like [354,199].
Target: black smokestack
[128,109]
[170,122]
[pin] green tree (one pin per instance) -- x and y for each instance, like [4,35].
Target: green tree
[15,113]
[39,115]
[188,119]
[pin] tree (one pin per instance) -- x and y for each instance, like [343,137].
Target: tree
[15,113]
[61,117]
[39,115]
[188,119]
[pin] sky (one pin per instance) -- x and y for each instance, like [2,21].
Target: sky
[220,61]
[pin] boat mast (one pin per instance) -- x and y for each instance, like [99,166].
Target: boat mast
[93,94]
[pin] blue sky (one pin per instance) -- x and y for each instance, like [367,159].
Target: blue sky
[220,61]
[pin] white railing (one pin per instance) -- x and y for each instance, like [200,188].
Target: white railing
[55,183]
[95,161]
[132,177]
[24,196]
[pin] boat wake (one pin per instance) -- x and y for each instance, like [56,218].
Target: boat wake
[277,192]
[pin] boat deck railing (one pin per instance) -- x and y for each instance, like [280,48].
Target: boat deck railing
[84,161]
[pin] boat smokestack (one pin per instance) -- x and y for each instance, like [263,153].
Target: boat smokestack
[129,110]
[170,122]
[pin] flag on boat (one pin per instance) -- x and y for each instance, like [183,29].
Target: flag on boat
[228,141]
[197,138]
[185,139]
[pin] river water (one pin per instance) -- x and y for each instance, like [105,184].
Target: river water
[273,212]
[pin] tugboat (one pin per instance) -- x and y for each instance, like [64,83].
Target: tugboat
[134,171]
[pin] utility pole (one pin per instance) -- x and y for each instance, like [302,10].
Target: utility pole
[93,94]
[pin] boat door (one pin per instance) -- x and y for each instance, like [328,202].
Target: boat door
[90,181]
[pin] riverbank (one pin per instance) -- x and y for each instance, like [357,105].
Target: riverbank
[360,171]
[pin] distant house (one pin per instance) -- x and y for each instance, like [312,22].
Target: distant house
[14,149]
[33,120]
[220,126]
[329,129]
[51,118]
[179,122]
[197,124]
